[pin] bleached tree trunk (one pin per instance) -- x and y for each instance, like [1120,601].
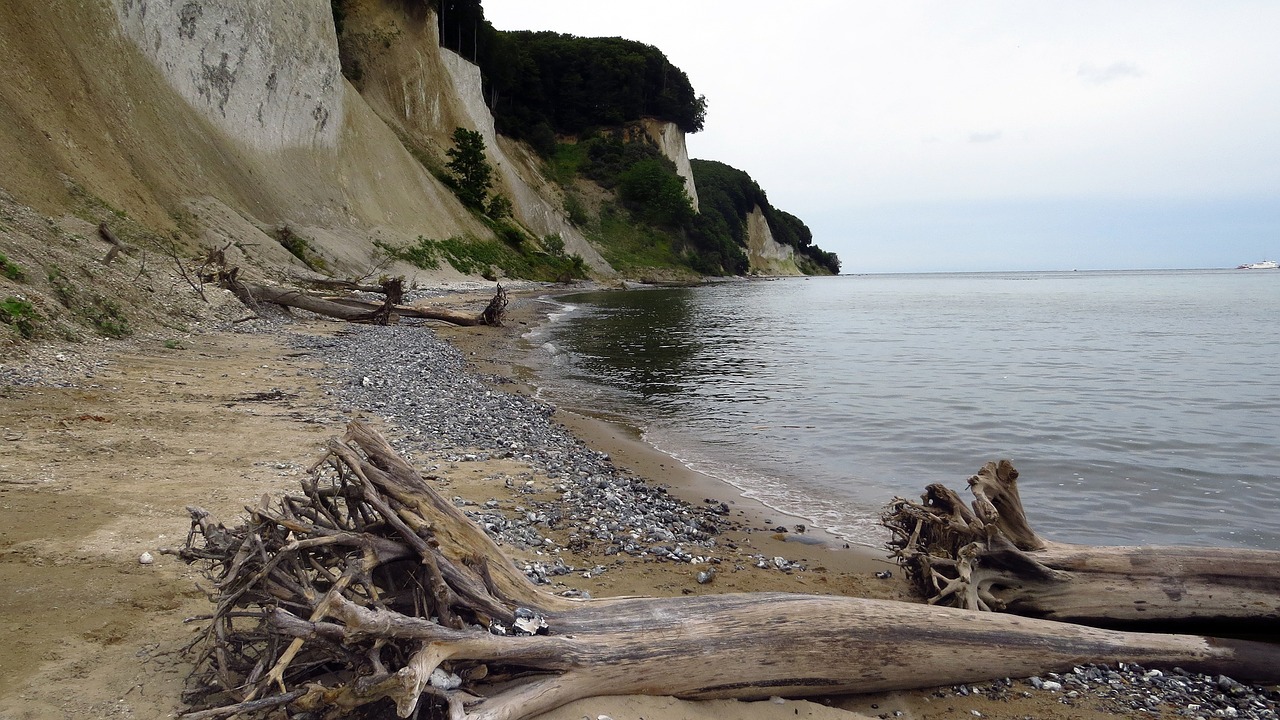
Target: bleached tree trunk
[989,558]
[357,310]
[367,584]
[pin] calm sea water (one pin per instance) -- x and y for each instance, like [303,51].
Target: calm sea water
[1139,407]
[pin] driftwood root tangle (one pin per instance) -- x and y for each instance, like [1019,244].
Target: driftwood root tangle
[368,590]
[987,557]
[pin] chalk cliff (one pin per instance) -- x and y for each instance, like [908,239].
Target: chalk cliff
[425,91]
[270,79]
[670,140]
[235,117]
[236,114]
[766,255]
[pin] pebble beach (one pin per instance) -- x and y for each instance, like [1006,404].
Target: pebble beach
[576,517]
[581,505]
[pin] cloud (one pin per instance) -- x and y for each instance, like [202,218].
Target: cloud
[986,137]
[1095,75]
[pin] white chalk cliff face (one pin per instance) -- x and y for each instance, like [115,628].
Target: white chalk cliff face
[427,91]
[671,141]
[766,255]
[517,173]
[297,144]
[265,73]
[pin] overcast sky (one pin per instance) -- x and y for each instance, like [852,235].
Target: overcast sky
[936,136]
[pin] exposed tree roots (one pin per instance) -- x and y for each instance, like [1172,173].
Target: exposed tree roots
[369,591]
[988,558]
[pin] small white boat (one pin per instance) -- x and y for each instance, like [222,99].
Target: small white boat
[1264,265]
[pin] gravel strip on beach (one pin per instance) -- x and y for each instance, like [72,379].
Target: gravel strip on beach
[437,409]
[1131,689]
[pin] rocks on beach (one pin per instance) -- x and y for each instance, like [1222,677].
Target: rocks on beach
[421,384]
[440,411]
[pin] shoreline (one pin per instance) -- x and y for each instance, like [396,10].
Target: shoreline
[498,353]
[772,506]
[104,445]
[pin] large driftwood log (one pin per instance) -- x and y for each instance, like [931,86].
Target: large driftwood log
[988,558]
[492,314]
[361,311]
[369,587]
[117,246]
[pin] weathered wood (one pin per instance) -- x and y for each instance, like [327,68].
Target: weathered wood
[290,297]
[367,583]
[117,246]
[989,558]
[358,310]
[335,284]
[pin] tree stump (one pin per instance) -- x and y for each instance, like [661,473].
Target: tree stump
[988,558]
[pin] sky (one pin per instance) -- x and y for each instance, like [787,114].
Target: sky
[987,135]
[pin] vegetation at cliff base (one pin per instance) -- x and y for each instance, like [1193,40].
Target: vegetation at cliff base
[542,260]
[651,221]
[648,220]
[728,195]
[11,269]
[20,315]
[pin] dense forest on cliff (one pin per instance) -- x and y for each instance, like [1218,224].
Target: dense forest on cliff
[727,195]
[542,84]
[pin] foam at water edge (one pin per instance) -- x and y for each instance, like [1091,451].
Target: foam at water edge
[840,520]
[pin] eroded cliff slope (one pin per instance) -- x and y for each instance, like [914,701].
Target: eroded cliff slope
[235,116]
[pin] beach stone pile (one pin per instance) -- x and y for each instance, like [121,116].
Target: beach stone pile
[1131,689]
[442,412]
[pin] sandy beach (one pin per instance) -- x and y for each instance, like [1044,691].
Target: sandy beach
[102,445]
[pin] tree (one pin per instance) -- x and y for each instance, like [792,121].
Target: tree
[656,192]
[472,174]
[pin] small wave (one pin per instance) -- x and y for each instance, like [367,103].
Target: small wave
[846,521]
[561,310]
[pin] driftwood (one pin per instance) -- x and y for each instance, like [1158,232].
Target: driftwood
[117,245]
[495,309]
[988,558]
[394,291]
[360,311]
[370,590]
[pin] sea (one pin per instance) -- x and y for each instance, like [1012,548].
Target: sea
[1139,407]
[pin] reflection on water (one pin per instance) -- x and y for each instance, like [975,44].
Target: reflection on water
[643,342]
[1140,407]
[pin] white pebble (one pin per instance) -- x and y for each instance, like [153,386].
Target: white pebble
[444,681]
[146,558]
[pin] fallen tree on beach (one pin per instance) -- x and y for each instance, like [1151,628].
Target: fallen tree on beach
[355,309]
[987,557]
[369,589]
